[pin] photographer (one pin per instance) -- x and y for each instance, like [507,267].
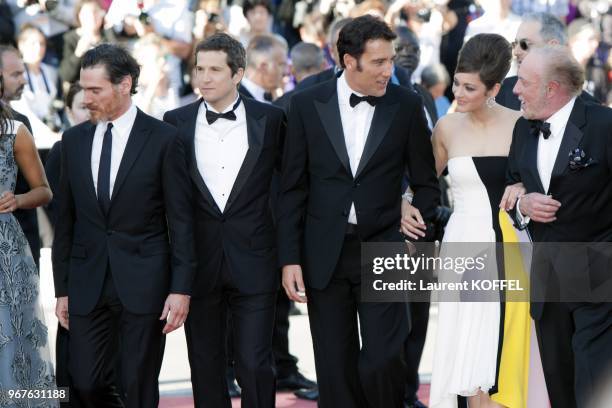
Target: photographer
[53,17]
[429,20]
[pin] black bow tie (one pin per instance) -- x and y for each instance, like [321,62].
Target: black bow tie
[211,117]
[356,100]
[537,127]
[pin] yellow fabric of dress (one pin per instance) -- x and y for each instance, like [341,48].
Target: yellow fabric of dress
[513,376]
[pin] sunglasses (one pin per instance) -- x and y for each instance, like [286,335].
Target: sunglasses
[521,43]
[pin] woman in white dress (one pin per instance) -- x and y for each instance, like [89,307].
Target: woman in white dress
[474,143]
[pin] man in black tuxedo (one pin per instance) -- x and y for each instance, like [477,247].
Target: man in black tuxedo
[123,258]
[536,30]
[567,200]
[232,149]
[12,71]
[349,141]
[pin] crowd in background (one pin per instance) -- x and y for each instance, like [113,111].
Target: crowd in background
[52,35]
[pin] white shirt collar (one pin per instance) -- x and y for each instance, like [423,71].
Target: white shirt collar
[345,91]
[255,90]
[123,122]
[559,119]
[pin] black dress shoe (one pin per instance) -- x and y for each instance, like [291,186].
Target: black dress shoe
[310,395]
[233,388]
[295,381]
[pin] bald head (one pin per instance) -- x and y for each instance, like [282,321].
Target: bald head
[306,59]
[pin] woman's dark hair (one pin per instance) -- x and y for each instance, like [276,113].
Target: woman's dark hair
[353,36]
[236,55]
[117,61]
[488,55]
[249,5]
[74,89]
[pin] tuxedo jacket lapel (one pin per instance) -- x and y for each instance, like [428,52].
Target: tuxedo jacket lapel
[329,112]
[256,127]
[189,127]
[571,138]
[136,141]
[86,143]
[383,116]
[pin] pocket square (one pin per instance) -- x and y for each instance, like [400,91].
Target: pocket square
[578,160]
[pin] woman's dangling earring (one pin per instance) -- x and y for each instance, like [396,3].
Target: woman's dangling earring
[490,102]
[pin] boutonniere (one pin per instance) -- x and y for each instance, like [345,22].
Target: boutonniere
[578,159]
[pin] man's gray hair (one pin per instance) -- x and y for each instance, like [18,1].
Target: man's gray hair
[551,28]
[433,75]
[306,57]
[559,65]
[263,46]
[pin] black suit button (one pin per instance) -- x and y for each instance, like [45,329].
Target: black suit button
[345,213]
[110,232]
[223,219]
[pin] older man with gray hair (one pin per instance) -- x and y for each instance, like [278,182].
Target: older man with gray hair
[536,30]
[561,153]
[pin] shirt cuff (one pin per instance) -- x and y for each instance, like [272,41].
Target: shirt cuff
[408,195]
[523,219]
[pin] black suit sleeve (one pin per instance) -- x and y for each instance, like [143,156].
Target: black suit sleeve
[513,175]
[421,165]
[179,211]
[293,189]
[62,243]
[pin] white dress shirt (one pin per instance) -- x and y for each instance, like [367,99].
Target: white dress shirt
[356,126]
[122,126]
[548,149]
[220,149]
[255,90]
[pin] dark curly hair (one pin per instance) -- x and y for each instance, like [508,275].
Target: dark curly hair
[117,61]
[488,55]
[353,36]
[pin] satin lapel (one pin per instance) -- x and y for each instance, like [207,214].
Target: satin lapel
[329,112]
[189,127]
[532,159]
[86,143]
[136,141]
[256,127]
[381,121]
[571,138]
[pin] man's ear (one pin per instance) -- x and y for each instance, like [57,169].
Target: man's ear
[237,77]
[125,86]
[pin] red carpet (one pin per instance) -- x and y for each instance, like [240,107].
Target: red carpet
[283,400]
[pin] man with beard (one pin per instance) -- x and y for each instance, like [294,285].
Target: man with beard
[123,256]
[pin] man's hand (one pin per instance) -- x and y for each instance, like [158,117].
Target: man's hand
[294,283]
[511,194]
[175,311]
[61,311]
[412,223]
[539,207]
